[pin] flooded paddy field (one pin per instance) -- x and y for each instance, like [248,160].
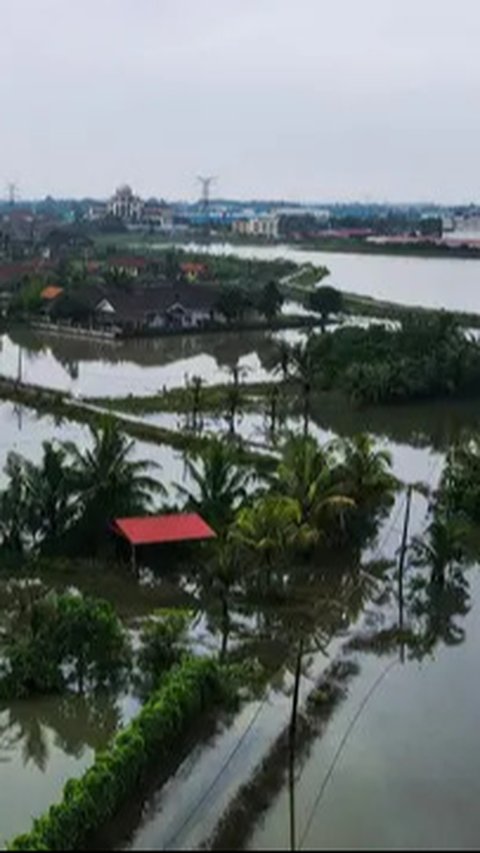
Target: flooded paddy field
[411,753]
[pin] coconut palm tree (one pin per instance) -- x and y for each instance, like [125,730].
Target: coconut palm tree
[270,530]
[14,510]
[442,547]
[219,484]
[195,387]
[304,370]
[365,471]
[107,481]
[307,473]
[49,496]
[283,358]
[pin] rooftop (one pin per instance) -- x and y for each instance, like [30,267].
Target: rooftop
[51,292]
[157,530]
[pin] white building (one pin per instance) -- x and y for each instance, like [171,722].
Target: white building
[125,205]
[157,216]
[264,225]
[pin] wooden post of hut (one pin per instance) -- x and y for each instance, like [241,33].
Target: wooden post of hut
[161,530]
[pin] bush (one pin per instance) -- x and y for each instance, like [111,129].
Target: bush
[163,639]
[65,641]
[89,802]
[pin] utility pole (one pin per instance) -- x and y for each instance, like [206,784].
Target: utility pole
[292,739]
[401,566]
[206,184]
[20,365]
[12,190]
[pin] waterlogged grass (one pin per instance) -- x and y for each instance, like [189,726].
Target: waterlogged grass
[213,399]
[367,306]
[191,688]
[62,406]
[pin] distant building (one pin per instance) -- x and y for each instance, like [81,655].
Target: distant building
[97,211]
[126,206]
[128,264]
[132,211]
[194,270]
[263,225]
[168,307]
[157,216]
[322,215]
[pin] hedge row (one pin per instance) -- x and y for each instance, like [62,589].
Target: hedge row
[91,801]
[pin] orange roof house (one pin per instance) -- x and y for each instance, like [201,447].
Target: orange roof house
[193,270]
[51,292]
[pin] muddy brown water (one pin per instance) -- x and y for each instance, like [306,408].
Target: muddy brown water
[419,762]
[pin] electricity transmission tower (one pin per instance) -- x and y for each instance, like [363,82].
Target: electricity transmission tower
[12,192]
[206,184]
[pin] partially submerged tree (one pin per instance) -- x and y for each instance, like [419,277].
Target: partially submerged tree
[442,547]
[108,482]
[14,509]
[325,301]
[219,484]
[68,642]
[270,300]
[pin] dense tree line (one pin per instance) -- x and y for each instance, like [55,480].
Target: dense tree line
[424,357]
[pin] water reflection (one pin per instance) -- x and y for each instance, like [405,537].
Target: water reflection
[140,366]
[77,723]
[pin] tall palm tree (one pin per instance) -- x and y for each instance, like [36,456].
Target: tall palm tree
[107,481]
[219,485]
[307,473]
[49,494]
[283,358]
[442,548]
[304,370]
[365,471]
[271,530]
[14,511]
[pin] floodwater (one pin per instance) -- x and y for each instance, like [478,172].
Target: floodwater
[407,777]
[430,282]
[45,742]
[141,366]
[408,774]
[23,431]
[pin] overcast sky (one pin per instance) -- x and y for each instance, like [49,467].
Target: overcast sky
[298,99]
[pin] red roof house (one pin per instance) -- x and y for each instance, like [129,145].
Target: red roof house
[160,529]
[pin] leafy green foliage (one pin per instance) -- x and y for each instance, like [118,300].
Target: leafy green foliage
[234,302]
[220,484]
[68,501]
[88,803]
[326,300]
[270,300]
[426,357]
[460,484]
[14,509]
[63,641]
[162,644]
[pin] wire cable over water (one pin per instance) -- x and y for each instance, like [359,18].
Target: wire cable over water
[342,746]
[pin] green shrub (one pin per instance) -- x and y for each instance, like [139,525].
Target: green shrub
[89,802]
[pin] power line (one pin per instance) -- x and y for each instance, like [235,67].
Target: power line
[237,746]
[341,747]
[433,469]
[220,773]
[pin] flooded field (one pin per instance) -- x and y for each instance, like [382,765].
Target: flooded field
[43,743]
[23,431]
[142,366]
[407,776]
[412,752]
